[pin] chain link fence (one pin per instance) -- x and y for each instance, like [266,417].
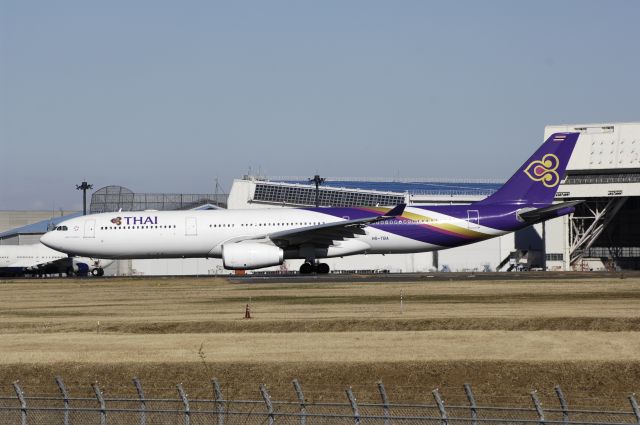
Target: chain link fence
[23,409]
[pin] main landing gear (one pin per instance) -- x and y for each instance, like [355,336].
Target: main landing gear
[310,267]
[97,272]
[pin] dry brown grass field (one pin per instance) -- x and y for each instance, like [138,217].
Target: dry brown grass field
[503,337]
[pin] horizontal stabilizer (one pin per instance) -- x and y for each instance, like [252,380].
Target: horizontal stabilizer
[553,211]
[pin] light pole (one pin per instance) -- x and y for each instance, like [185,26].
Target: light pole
[318,181]
[84,187]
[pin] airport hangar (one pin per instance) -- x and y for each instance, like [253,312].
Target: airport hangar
[603,233]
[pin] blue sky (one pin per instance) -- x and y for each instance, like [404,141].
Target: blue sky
[166,96]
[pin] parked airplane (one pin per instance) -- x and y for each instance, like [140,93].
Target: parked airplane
[37,259]
[252,239]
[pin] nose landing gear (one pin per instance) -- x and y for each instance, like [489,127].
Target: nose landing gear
[309,267]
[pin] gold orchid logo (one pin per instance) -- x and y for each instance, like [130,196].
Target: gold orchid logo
[117,221]
[544,170]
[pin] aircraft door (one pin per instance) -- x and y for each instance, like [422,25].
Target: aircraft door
[473,219]
[89,228]
[191,227]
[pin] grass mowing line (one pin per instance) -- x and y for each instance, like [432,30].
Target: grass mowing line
[604,324]
[326,346]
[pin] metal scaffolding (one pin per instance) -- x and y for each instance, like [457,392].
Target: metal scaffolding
[586,226]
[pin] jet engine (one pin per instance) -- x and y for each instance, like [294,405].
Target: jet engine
[77,267]
[82,266]
[251,255]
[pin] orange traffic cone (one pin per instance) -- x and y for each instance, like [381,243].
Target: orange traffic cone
[247,312]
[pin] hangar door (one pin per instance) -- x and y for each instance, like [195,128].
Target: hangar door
[191,227]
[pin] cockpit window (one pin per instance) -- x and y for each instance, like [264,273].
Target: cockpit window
[62,228]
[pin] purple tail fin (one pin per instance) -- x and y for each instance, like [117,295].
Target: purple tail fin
[537,181]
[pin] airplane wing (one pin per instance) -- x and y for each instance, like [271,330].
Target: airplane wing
[35,262]
[326,234]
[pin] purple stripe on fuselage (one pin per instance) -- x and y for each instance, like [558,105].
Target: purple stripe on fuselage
[502,218]
[430,234]
[499,217]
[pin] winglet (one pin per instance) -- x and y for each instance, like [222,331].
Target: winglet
[395,211]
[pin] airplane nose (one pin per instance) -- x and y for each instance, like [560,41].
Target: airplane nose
[48,240]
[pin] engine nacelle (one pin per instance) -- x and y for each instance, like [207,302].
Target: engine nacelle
[80,267]
[251,255]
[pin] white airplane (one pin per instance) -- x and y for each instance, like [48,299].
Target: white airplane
[37,259]
[252,239]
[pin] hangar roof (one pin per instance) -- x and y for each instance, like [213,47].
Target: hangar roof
[426,187]
[38,227]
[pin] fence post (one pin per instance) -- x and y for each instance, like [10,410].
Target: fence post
[538,406]
[303,406]
[143,406]
[267,400]
[634,406]
[65,398]
[385,402]
[563,405]
[354,406]
[472,404]
[23,403]
[219,401]
[443,411]
[103,407]
[185,402]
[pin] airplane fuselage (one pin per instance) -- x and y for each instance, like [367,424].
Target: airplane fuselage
[182,234]
[253,239]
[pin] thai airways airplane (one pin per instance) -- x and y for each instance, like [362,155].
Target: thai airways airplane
[37,259]
[252,239]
